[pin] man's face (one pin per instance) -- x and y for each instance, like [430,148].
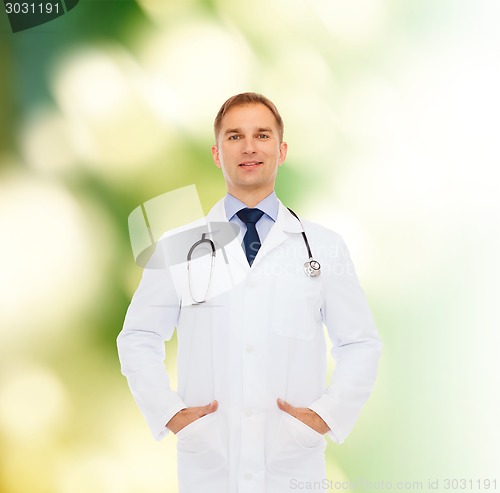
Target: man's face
[249,149]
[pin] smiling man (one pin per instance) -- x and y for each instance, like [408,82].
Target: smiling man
[249,150]
[252,407]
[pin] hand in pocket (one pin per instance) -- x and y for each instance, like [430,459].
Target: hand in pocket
[186,416]
[307,416]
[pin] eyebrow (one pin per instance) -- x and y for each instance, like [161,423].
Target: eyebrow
[238,130]
[264,129]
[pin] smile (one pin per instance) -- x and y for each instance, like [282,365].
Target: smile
[250,164]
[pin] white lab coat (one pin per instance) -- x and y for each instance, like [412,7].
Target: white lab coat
[247,346]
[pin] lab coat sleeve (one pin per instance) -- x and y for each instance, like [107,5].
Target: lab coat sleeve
[149,322]
[356,345]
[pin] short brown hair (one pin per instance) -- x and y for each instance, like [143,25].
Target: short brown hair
[248,98]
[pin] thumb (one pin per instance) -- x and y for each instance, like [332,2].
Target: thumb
[284,406]
[210,408]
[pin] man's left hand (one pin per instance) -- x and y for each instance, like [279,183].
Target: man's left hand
[307,416]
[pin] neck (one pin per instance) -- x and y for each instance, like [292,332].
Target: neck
[250,198]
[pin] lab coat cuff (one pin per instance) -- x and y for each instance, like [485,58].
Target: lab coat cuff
[322,412]
[162,431]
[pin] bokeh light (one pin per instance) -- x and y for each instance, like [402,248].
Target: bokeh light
[33,404]
[50,263]
[102,94]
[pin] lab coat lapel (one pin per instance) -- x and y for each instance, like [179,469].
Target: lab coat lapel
[284,225]
[233,250]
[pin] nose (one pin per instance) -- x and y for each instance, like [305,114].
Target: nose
[248,146]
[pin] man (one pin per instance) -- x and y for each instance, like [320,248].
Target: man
[252,407]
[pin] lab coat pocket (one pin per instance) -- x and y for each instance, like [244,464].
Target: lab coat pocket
[294,450]
[202,442]
[303,434]
[296,312]
[191,427]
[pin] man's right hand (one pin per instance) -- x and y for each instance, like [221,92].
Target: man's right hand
[186,416]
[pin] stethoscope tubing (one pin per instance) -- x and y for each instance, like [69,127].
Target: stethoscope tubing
[312,267]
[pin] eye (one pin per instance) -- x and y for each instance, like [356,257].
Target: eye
[262,136]
[233,137]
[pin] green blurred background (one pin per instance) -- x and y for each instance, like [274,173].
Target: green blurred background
[391,115]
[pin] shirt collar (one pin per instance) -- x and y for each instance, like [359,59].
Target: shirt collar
[269,205]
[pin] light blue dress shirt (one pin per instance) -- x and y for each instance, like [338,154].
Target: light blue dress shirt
[269,206]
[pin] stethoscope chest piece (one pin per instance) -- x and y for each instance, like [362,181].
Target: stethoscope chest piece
[312,268]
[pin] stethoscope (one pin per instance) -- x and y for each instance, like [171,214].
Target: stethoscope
[312,267]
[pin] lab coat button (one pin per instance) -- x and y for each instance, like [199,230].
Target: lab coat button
[249,348]
[248,413]
[248,476]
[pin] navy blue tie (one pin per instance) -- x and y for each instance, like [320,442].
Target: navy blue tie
[251,239]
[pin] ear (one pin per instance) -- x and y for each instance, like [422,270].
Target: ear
[282,154]
[215,155]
